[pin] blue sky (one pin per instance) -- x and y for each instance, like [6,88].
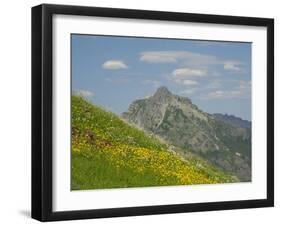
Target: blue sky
[114,71]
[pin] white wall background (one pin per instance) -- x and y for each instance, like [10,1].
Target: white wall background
[15,118]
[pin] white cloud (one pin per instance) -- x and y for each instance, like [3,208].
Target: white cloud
[225,94]
[182,73]
[232,66]
[84,93]
[158,57]
[182,76]
[190,82]
[188,57]
[114,65]
[243,90]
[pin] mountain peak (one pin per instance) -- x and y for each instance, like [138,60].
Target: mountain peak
[162,95]
[162,90]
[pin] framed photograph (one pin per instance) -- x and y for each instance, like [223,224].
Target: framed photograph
[145,112]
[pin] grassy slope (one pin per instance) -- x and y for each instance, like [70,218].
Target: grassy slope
[109,153]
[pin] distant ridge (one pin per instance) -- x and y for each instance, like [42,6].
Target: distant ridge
[233,120]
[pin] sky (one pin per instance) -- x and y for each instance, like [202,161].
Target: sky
[113,71]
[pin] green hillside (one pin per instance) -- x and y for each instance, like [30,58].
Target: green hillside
[109,153]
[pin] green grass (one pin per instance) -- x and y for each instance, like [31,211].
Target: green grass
[109,153]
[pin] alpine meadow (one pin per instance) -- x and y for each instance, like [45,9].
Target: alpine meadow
[159,112]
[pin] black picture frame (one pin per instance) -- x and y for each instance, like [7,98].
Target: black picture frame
[42,111]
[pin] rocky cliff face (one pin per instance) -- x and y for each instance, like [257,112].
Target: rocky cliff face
[178,121]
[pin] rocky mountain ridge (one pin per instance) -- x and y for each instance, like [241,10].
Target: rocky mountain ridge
[182,124]
[233,120]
